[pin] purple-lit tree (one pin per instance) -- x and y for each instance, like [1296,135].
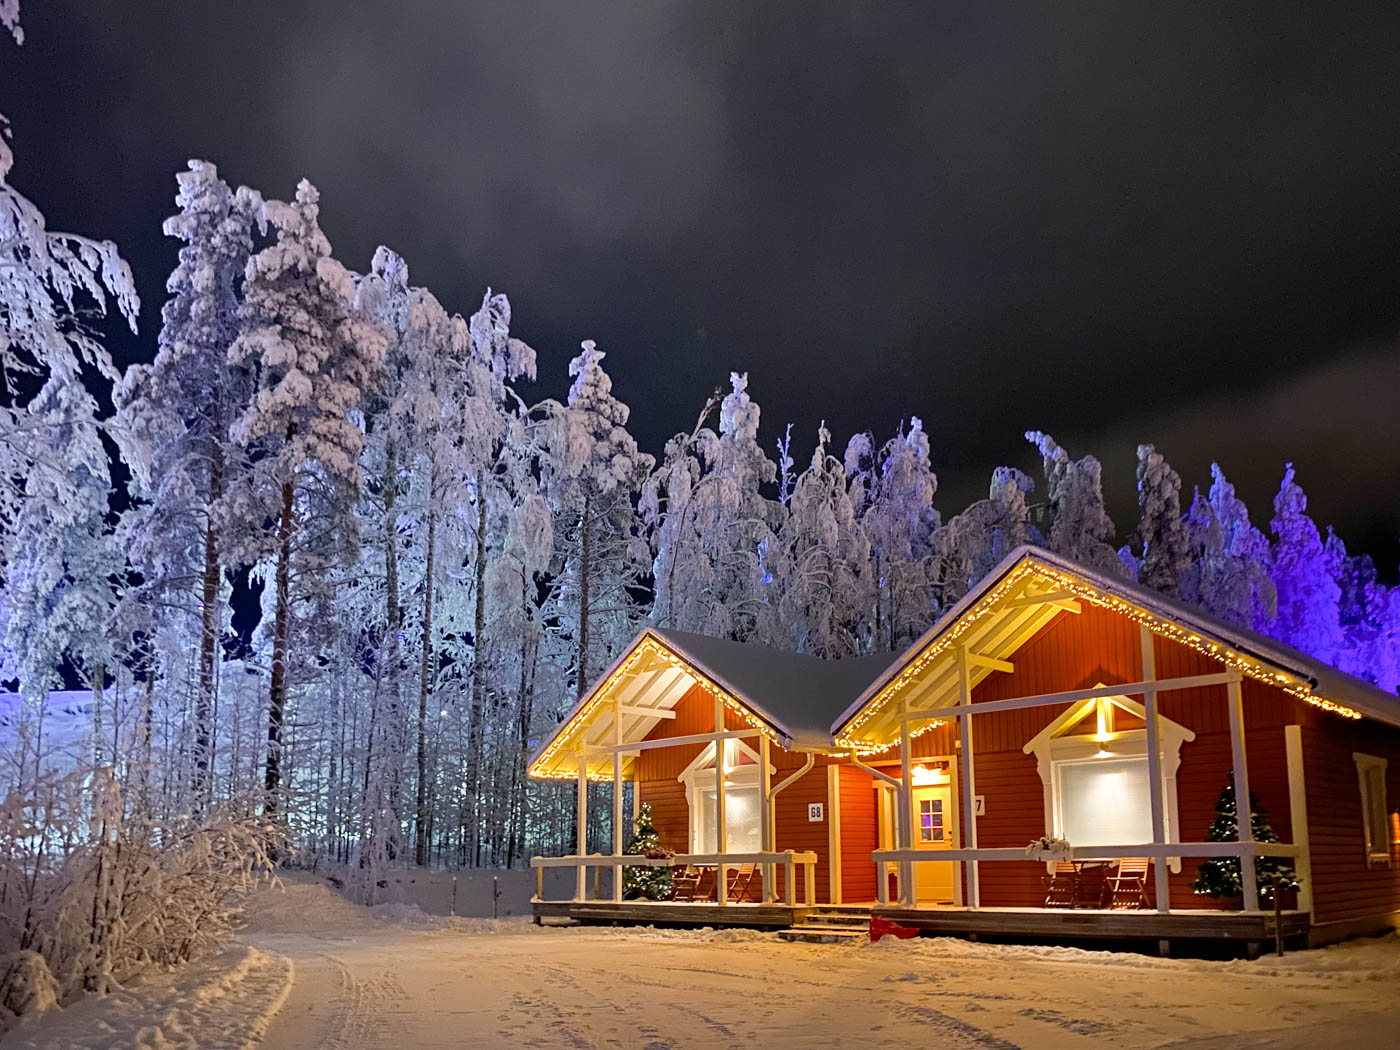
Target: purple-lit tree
[1302,572]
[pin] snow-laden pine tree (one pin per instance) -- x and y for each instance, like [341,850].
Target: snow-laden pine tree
[1367,614]
[1162,547]
[315,354]
[818,598]
[892,490]
[173,419]
[973,542]
[712,527]
[1228,574]
[1303,576]
[592,469]
[1078,526]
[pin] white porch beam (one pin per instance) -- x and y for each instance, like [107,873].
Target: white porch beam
[582,814]
[1161,887]
[1298,815]
[1244,812]
[765,828]
[969,783]
[1164,685]
[1066,600]
[617,800]
[991,663]
[721,839]
[907,895]
[673,741]
[647,712]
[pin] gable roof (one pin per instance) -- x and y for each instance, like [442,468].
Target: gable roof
[1253,654]
[792,696]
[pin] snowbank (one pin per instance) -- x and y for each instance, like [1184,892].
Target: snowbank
[223,1003]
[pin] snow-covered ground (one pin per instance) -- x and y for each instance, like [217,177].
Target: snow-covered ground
[396,977]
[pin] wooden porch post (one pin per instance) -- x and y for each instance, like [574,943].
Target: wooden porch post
[974,896]
[1244,813]
[582,824]
[617,799]
[907,896]
[767,833]
[1161,888]
[1298,815]
[721,836]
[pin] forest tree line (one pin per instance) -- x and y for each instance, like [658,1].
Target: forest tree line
[442,567]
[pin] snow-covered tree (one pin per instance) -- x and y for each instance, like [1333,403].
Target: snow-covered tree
[1228,574]
[973,542]
[818,599]
[892,490]
[712,526]
[314,353]
[1163,557]
[173,419]
[1078,525]
[592,470]
[1303,576]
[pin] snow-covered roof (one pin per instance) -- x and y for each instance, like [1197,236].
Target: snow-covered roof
[798,695]
[1005,621]
[791,697]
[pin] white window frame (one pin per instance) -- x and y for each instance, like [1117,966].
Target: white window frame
[1055,744]
[1377,853]
[699,778]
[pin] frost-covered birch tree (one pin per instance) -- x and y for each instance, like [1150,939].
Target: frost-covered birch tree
[314,353]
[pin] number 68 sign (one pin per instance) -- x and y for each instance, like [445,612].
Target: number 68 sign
[816,812]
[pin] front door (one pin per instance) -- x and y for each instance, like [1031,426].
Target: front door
[933,830]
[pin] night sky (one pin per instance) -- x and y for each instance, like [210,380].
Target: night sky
[1179,226]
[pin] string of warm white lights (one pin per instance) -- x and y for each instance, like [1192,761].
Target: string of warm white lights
[648,649]
[1063,582]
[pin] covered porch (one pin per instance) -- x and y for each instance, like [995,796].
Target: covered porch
[1094,771]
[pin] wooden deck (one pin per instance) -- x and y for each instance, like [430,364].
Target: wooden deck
[669,913]
[1031,924]
[1094,924]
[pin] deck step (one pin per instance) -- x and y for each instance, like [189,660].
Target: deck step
[812,933]
[845,922]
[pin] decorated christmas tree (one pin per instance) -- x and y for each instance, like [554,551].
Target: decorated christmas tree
[1220,876]
[654,883]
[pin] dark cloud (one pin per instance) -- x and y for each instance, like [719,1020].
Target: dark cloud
[1111,223]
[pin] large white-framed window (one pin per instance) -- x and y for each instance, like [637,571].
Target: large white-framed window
[1096,785]
[1375,815]
[743,814]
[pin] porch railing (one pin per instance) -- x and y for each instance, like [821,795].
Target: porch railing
[1158,852]
[788,861]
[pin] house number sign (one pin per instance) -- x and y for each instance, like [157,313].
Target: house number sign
[816,811]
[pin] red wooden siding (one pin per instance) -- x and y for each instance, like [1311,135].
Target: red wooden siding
[860,834]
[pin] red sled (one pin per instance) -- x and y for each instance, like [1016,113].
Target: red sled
[884,928]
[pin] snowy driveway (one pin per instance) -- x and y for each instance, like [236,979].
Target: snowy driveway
[362,983]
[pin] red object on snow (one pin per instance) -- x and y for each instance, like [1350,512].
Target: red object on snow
[884,928]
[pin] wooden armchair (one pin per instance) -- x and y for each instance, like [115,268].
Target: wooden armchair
[685,881]
[1127,886]
[740,880]
[1090,887]
[1062,885]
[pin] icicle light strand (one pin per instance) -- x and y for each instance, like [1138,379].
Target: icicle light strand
[1059,581]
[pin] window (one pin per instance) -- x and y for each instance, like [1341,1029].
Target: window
[1103,801]
[1370,770]
[930,820]
[741,822]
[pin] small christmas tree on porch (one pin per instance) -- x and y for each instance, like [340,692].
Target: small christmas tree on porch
[654,883]
[1220,876]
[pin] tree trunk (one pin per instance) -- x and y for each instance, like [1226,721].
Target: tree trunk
[99,675]
[515,847]
[581,686]
[208,639]
[277,690]
[475,734]
[420,853]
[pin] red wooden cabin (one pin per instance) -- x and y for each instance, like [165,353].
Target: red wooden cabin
[1052,702]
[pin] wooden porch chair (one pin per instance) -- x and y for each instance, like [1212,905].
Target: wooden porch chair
[685,880]
[1062,885]
[740,880]
[705,889]
[1127,887]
